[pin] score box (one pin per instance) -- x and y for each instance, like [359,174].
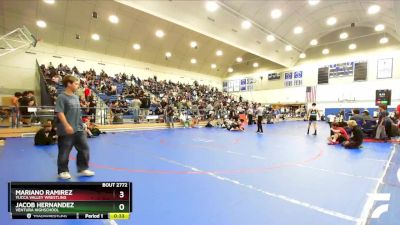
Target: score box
[74,199]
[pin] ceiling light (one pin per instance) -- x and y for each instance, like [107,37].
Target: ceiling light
[239,59]
[255,65]
[313,2]
[213,66]
[276,13]
[212,6]
[136,46]
[219,53]
[352,46]
[49,1]
[113,19]
[193,61]
[313,42]
[288,48]
[246,24]
[325,51]
[298,30]
[160,33]
[302,55]
[230,70]
[384,40]
[41,24]
[270,38]
[168,54]
[331,21]
[374,9]
[343,35]
[193,44]
[95,37]
[379,27]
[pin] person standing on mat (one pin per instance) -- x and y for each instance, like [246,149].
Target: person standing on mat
[313,112]
[260,112]
[70,130]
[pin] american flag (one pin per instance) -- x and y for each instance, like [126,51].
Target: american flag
[311,94]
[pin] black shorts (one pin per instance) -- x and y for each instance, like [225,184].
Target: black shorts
[313,118]
[352,144]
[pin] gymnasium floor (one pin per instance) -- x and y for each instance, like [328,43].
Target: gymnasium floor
[214,177]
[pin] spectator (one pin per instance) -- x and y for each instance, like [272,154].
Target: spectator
[44,136]
[15,103]
[383,128]
[366,116]
[116,112]
[357,117]
[136,103]
[25,102]
[87,92]
[15,99]
[170,115]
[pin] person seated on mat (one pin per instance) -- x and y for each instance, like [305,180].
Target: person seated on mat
[357,136]
[53,131]
[227,124]
[209,124]
[339,134]
[94,129]
[235,124]
[238,126]
[85,123]
[44,137]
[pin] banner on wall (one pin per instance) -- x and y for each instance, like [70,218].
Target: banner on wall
[298,78]
[385,68]
[236,85]
[341,69]
[274,76]
[230,86]
[293,78]
[288,79]
[225,86]
[242,85]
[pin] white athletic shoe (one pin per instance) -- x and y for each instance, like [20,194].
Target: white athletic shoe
[86,173]
[64,175]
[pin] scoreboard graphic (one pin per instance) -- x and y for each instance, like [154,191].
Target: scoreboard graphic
[75,200]
[383,97]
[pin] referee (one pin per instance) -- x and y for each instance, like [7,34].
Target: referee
[260,112]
